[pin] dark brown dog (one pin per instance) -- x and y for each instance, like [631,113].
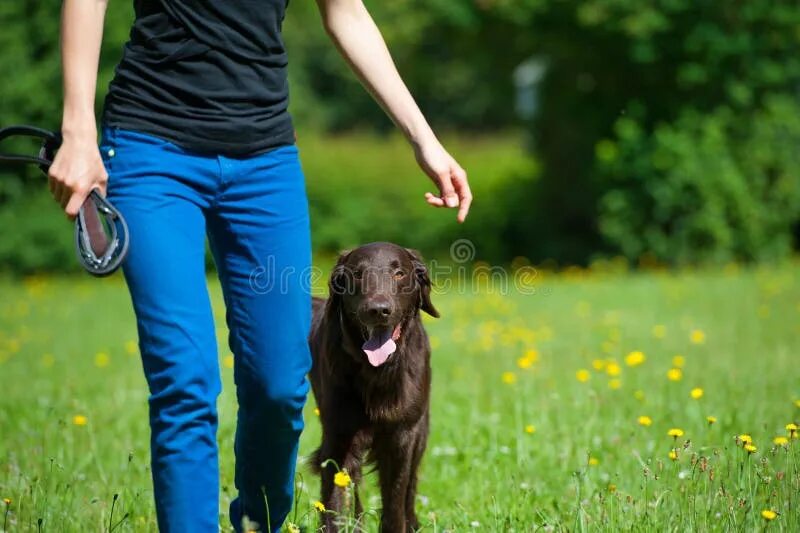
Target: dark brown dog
[371,377]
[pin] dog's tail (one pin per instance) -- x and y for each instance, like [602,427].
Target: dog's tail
[315,461]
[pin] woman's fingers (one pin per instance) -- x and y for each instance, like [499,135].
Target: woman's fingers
[461,185]
[76,170]
[454,192]
[64,193]
[448,192]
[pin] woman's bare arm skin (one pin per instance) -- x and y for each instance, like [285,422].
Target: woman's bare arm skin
[353,31]
[78,168]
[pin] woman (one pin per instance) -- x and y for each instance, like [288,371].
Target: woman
[197,141]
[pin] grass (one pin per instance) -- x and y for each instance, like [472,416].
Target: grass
[518,442]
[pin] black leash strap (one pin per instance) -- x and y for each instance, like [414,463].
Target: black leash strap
[101,233]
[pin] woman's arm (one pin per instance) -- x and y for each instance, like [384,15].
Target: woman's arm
[353,31]
[78,168]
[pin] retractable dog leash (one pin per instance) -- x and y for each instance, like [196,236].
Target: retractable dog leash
[101,234]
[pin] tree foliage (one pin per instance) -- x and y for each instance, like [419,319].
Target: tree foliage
[667,128]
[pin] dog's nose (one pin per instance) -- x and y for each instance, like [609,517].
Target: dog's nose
[380,309]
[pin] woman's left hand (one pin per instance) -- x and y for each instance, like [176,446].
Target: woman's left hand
[448,176]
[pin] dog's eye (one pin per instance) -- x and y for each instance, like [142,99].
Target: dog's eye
[399,274]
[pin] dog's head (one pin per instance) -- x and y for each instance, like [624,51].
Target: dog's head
[377,287]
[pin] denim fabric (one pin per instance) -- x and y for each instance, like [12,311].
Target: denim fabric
[255,213]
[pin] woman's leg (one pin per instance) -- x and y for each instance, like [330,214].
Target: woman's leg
[259,234]
[166,278]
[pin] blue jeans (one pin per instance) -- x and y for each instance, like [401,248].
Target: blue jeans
[255,214]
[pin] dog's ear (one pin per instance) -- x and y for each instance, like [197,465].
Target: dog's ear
[423,283]
[338,284]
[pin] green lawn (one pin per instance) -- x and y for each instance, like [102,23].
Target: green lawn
[518,441]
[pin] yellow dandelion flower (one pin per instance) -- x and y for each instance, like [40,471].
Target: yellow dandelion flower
[614,384]
[319,506]
[532,354]
[673,454]
[80,420]
[613,369]
[7,501]
[769,514]
[675,433]
[101,360]
[131,347]
[612,488]
[659,331]
[228,361]
[791,427]
[509,378]
[593,461]
[697,336]
[745,438]
[645,421]
[750,448]
[524,362]
[341,479]
[599,364]
[635,358]
[780,441]
[696,393]
[674,374]
[711,420]
[530,429]
[316,411]
[678,361]
[582,375]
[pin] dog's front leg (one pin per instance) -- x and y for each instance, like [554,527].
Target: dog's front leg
[394,453]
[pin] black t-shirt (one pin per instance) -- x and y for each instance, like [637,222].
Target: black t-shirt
[209,75]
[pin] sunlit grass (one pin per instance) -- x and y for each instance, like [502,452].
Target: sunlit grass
[652,401]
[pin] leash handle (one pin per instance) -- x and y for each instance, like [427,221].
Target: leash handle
[101,233]
[99,253]
[50,143]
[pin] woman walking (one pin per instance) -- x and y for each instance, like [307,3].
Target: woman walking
[196,142]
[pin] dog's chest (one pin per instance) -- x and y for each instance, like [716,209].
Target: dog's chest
[394,398]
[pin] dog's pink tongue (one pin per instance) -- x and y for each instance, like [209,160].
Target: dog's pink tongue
[379,347]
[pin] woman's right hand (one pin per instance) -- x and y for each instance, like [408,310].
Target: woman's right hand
[76,170]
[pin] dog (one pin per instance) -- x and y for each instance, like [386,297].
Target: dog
[371,378]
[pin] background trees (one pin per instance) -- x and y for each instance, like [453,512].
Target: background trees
[667,130]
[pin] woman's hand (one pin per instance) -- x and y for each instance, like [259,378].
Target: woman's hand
[76,170]
[448,176]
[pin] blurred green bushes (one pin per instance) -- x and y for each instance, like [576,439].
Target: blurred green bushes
[714,187]
[667,130]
